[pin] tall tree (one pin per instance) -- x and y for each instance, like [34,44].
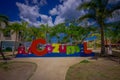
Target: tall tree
[57,30]
[45,29]
[23,32]
[15,29]
[35,33]
[112,32]
[3,19]
[99,10]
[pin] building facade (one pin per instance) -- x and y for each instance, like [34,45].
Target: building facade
[7,39]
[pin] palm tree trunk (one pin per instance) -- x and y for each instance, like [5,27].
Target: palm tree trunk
[3,56]
[94,45]
[71,39]
[15,45]
[46,36]
[102,40]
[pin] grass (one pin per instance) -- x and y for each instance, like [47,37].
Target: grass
[85,61]
[5,66]
[15,69]
[102,69]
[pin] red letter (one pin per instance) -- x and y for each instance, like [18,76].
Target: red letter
[85,49]
[62,48]
[34,47]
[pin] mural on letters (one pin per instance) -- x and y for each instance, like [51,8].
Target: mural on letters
[54,50]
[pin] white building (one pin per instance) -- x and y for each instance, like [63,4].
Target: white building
[7,39]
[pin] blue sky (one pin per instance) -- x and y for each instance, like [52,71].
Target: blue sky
[38,12]
[11,9]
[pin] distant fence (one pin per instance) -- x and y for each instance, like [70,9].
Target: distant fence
[114,45]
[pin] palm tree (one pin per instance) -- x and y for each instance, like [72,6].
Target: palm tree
[112,32]
[56,31]
[59,30]
[112,35]
[99,10]
[116,34]
[35,33]
[46,30]
[24,31]
[3,19]
[16,28]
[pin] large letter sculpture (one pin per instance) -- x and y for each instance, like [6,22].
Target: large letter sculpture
[62,48]
[34,47]
[85,49]
[55,48]
[49,48]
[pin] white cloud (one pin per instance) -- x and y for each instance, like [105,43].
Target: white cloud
[58,20]
[42,2]
[67,10]
[28,12]
[115,17]
[46,20]
[36,2]
[53,11]
[31,14]
[113,1]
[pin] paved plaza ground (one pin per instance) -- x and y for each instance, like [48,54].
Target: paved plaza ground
[51,68]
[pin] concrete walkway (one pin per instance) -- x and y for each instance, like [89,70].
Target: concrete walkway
[51,68]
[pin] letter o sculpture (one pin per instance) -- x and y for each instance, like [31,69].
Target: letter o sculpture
[34,47]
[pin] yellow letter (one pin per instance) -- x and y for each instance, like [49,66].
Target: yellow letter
[55,48]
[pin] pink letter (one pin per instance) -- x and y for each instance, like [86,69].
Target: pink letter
[49,48]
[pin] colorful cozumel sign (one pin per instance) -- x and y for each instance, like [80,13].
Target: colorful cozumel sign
[59,49]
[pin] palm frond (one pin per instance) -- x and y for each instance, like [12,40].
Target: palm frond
[114,7]
[91,16]
[86,5]
[4,18]
[113,24]
[105,2]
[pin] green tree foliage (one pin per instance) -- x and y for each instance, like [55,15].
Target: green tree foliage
[16,28]
[3,19]
[112,32]
[99,10]
[45,29]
